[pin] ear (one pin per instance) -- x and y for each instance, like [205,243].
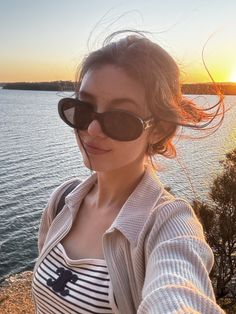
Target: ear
[156,135]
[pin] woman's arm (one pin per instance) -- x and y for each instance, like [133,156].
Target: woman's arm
[178,264]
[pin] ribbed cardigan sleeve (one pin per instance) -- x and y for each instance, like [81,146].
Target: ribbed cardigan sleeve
[178,264]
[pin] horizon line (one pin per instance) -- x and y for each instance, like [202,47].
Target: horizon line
[183,83]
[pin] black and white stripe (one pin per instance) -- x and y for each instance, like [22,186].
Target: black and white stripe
[90,293]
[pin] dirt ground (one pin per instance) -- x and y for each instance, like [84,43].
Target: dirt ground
[15,294]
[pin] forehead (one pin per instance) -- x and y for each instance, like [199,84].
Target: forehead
[111,82]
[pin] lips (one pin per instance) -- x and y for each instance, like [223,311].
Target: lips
[94,149]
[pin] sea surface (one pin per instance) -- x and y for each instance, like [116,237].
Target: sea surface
[38,152]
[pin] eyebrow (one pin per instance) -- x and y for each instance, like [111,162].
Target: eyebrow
[116,101]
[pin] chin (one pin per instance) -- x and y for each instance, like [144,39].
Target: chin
[97,168]
[100,163]
[94,166]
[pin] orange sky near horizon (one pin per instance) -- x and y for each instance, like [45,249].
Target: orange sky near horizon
[39,71]
[45,41]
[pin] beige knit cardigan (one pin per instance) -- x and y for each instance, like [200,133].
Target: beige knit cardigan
[155,250]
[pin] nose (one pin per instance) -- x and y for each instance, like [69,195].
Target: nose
[94,129]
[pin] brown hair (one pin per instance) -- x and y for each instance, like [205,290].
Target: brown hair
[157,71]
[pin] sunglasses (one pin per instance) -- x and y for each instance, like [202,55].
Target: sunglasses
[117,124]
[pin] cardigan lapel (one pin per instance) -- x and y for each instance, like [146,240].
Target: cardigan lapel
[138,207]
[74,199]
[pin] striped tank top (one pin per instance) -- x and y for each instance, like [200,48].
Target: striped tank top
[64,286]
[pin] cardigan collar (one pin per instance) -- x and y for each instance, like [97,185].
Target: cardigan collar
[135,211]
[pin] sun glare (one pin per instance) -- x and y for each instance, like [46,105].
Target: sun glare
[233,76]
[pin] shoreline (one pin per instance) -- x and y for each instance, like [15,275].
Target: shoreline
[226,88]
[15,294]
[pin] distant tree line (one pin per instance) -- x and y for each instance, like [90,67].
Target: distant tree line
[43,86]
[198,88]
[209,88]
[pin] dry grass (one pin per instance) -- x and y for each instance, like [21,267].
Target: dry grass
[15,294]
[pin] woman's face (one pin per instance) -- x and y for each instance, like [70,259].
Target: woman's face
[106,88]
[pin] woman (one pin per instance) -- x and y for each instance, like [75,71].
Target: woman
[122,243]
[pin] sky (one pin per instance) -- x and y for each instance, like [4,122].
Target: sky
[46,40]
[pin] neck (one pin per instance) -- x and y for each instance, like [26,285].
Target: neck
[114,187]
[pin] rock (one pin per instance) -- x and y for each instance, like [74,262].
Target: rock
[15,294]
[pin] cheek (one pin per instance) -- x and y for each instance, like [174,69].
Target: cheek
[133,149]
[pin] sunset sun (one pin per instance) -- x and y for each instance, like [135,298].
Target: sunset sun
[233,76]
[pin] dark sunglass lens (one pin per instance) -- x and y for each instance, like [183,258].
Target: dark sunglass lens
[83,115]
[76,113]
[67,110]
[122,126]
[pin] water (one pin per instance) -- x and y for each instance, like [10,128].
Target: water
[38,152]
